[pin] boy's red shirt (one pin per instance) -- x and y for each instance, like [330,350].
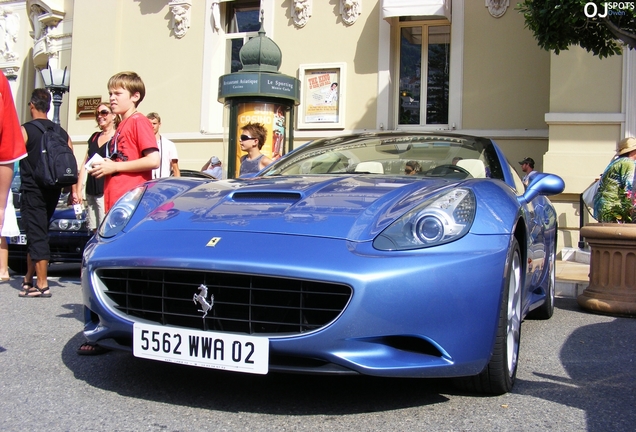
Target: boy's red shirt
[134,135]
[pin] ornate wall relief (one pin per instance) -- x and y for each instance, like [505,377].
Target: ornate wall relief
[44,17]
[9,30]
[216,15]
[301,11]
[497,7]
[181,16]
[350,10]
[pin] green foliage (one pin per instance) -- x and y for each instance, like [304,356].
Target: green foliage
[558,24]
[622,211]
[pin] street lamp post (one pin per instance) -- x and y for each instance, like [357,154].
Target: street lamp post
[57,82]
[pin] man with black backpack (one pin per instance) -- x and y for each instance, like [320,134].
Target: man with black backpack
[40,194]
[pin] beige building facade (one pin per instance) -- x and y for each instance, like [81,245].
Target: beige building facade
[565,111]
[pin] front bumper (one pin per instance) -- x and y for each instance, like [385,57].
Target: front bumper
[424,313]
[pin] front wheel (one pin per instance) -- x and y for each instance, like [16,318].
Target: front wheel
[499,375]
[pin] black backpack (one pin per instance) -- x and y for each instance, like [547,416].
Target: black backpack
[57,166]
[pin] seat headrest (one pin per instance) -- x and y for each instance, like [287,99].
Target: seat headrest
[475,167]
[370,167]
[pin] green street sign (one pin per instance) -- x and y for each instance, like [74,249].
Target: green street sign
[275,85]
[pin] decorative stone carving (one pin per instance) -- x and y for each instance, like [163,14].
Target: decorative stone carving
[9,29]
[350,10]
[11,72]
[36,26]
[497,7]
[301,12]
[181,16]
[216,15]
[44,17]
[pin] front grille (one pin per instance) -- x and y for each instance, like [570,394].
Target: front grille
[242,303]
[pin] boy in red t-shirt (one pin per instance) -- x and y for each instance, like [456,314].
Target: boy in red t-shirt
[132,153]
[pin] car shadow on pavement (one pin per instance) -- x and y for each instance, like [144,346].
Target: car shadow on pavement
[600,363]
[74,311]
[288,394]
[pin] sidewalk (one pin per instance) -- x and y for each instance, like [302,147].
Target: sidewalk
[571,278]
[572,273]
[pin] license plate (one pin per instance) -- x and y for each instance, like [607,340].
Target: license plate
[247,354]
[21,239]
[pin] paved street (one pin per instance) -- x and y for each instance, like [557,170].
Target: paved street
[577,372]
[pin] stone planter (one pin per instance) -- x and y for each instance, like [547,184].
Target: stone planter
[612,288]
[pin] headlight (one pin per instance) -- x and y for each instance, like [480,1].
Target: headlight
[65,225]
[441,219]
[119,215]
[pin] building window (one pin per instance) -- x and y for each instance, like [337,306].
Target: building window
[242,24]
[424,69]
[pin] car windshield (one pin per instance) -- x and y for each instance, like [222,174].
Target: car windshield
[455,157]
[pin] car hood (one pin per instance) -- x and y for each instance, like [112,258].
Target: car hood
[352,207]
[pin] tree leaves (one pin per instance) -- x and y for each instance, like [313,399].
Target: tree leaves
[558,24]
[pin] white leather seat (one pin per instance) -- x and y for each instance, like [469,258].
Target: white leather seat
[475,167]
[370,167]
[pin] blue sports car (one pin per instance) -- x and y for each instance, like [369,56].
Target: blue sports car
[389,254]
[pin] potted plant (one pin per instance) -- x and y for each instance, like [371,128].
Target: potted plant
[612,288]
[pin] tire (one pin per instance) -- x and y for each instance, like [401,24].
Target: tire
[546,310]
[499,375]
[18,265]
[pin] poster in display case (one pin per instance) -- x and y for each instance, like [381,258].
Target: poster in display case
[322,104]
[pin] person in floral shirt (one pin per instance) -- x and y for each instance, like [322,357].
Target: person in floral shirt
[614,199]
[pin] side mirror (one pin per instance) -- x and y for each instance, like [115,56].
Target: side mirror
[543,184]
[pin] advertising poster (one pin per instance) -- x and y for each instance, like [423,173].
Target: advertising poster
[320,90]
[273,117]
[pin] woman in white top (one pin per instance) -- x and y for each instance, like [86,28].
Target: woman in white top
[9,229]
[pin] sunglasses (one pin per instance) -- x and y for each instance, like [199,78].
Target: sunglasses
[245,138]
[408,170]
[103,112]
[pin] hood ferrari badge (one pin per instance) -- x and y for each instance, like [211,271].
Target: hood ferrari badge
[202,300]
[213,241]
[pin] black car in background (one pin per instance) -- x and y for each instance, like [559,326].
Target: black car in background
[68,234]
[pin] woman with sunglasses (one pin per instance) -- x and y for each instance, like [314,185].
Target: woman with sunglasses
[107,122]
[412,168]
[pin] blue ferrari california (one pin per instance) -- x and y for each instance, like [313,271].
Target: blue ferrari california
[389,254]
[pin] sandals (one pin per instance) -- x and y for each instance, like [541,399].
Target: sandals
[30,291]
[91,349]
